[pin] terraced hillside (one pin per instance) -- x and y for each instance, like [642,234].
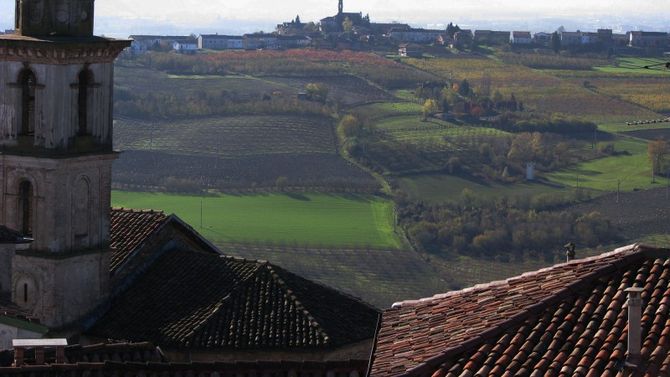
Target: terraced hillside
[347,90]
[537,89]
[235,152]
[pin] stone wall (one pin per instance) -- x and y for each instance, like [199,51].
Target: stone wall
[60,288]
[71,200]
[56,120]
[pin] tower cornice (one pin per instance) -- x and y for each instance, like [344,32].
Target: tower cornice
[60,51]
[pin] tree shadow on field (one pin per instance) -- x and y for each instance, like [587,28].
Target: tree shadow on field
[298,196]
[352,197]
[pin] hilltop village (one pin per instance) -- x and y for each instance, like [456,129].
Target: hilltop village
[351,30]
[436,175]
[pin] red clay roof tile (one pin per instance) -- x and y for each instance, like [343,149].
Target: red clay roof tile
[129,229]
[576,324]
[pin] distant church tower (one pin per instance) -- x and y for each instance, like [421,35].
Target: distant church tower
[340,7]
[56,83]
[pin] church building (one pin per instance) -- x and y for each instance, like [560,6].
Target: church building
[334,24]
[72,267]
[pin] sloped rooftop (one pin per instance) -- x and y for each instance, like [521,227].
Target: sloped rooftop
[566,320]
[205,301]
[129,229]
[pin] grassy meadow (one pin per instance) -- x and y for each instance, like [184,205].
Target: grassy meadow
[441,188]
[290,219]
[638,66]
[631,169]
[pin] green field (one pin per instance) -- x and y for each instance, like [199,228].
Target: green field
[440,188]
[636,66]
[632,170]
[623,127]
[291,219]
[387,109]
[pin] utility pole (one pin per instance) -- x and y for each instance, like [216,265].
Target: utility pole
[653,167]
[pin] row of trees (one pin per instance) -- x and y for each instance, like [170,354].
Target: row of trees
[461,99]
[501,158]
[555,123]
[289,63]
[487,228]
[658,152]
[201,103]
[548,61]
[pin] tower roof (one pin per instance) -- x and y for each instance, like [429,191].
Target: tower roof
[41,18]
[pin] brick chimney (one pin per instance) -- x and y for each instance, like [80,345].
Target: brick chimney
[634,327]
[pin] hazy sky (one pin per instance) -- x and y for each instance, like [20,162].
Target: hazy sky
[234,14]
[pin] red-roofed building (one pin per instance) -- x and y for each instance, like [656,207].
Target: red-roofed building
[566,320]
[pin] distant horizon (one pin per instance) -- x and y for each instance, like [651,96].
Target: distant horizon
[124,17]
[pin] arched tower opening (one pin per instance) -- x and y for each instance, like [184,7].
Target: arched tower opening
[28,84]
[85,82]
[26,207]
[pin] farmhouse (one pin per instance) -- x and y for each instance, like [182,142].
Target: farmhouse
[385,29]
[599,316]
[293,41]
[186,46]
[74,267]
[220,42]
[491,37]
[542,39]
[649,39]
[422,36]
[620,40]
[569,38]
[140,44]
[521,38]
[258,41]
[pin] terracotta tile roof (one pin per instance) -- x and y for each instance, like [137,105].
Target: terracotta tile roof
[130,229]
[201,300]
[143,352]
[566,320]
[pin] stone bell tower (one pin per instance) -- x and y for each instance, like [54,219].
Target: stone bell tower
[56,84]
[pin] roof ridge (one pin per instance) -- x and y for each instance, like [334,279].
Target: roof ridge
[526,312]
[242,259]
[626,250]
[138,211]
[216,307]
[289,292]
